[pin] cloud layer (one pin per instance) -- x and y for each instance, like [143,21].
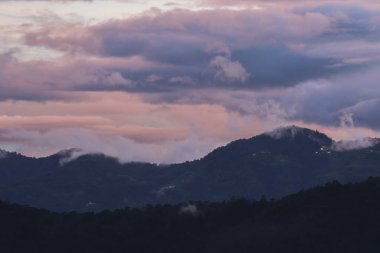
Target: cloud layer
[168,85]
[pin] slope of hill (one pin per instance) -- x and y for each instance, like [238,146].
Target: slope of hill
[273,164]
[335,218]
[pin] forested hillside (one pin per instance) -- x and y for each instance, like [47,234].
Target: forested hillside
[334,218]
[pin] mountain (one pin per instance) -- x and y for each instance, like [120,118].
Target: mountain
[273,164]
[332,219]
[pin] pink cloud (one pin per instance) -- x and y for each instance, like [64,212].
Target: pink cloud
[121,119]
[113,54]
[183,26]
[131,128]
[44,80]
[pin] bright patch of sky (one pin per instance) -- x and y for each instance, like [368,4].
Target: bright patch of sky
[16,16]
[18,12]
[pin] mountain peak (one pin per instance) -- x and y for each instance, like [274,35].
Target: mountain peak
[285,132]
[293,132]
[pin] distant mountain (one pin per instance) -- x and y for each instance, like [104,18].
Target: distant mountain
[273,164]
[331,219]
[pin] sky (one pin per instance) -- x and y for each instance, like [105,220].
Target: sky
[169,81]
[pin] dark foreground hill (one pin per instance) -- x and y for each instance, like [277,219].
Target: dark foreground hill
[335,218]
[275,164]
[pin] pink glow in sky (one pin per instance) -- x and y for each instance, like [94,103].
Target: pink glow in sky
[165,81]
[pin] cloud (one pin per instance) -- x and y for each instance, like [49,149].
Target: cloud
[163,190]
[50,0]
[171,85]
[345,145]
[284,2]
[153,78]
[182,80]
[182,28]
[229,71]
[114,78]
[325,101]
[365,112]
[242,48]
[39,144]
[111,122]
[189,209]
[346,120]
[69,155]
[183,43]
[5,60]
[46,80]
[131,128]
[3,154]
[284,132]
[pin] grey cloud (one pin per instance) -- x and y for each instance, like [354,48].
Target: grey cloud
[286,2]
[157,46]
[354,97]
[25,142]
[229,71]
[182,80]
[326,101]
[10,91]
[349,20]
[186,42]
[189,209]
[247,49]
[361,143]
[278,66]
[5,59]
[3,154]
[366,113]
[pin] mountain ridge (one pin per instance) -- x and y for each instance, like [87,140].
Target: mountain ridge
[296,159]
[290,133]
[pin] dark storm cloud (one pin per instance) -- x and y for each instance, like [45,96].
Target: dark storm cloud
[205,46]
[281,67]
[223,48]
[160,46]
